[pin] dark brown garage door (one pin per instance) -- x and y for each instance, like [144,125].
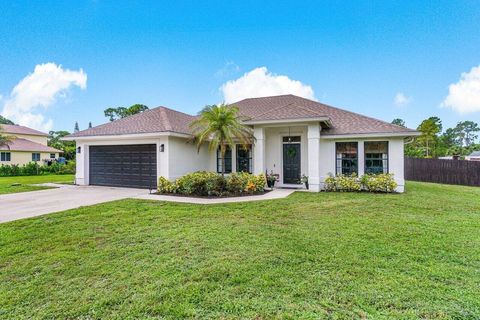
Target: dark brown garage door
[124,166]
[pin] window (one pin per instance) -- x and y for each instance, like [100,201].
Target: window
[52,156]
[35,156]
[5,156]
[347,157]
[228,160]
[244,158]
[376,157]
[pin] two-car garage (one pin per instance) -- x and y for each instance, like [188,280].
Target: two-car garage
[132,166]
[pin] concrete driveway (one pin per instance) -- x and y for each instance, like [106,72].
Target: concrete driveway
[30,204]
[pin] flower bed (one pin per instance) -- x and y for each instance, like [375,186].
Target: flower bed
[368,182]
[210,184]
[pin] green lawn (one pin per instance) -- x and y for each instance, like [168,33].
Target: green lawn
[6,182]
[309,256]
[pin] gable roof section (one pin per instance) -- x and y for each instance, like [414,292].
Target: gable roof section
[287,107]
[19,144]
[16,129]
[277,108]
[154,120]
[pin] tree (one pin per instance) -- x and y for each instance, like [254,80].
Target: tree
[122,112]
[429,129]
[76,129]
[5,121]
[55,141]
[466,131]
[221,126]
[4,139]
[399,122]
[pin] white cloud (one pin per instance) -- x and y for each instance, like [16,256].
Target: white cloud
[39,90]
[464,96]
[401,99]
[260,83]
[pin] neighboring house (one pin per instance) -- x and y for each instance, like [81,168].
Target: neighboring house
[474,156]
[28,145]
[294,137]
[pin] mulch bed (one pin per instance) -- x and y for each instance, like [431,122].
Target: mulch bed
[227,195]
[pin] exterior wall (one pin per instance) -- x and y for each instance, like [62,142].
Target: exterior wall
[274,149]
[82,158]
[178,158]
[395,158]
[23,157]
[37,139]
[317,155]
[184,158]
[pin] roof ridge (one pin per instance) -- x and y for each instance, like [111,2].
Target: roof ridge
[165,115]
[34,131]
[263,97]
[307,109]
[354,113]
[170,109]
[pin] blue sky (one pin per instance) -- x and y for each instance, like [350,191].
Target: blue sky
[355,55]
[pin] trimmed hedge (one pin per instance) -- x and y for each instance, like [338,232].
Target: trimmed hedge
[33,169]
[203,183]
[370,182]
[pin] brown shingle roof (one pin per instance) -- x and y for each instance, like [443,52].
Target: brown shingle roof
[159,119]
[19,144]
[16,129]
[285,107]
[293,107]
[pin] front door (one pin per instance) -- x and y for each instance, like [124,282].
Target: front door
[291,163]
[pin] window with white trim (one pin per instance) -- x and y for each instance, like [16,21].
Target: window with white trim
[346,157]
[376,157]
[228,160]
[244,158]
[35,156]
[5,156]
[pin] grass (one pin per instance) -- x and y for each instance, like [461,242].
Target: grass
[6,183]
[309,256]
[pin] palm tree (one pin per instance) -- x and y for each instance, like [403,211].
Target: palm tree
[222,126]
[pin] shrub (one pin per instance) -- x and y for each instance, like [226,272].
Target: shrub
[68,168]
[52,168]
[349,183]
[236,182]
[166,186]
[343,183]
[33,168]
[201,183]
[369,182]
[259,182]
[379,182]
[330,183]
[204,183]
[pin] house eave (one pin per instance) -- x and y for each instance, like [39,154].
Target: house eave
[128,136]
[372,135]
[288,121]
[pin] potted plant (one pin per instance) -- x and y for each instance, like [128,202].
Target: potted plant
[271,179]
[305,181]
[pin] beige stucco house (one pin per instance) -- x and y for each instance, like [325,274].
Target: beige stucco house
[28,145]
